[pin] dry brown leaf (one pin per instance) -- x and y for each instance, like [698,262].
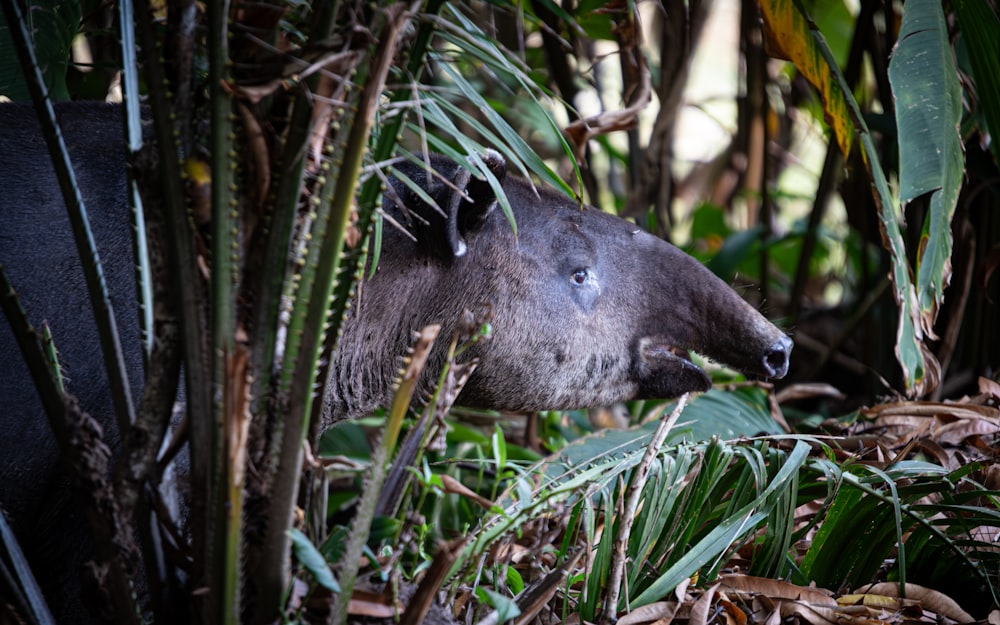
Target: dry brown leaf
[989,388]
[734,615]
[813,614]
[985,534]
[777,589]
[871,600]
[461,599]
[938,453]
[513,553]
[957,432]
[932,409]
[808,390]
[649,613]
[452,486]
[773,616]
[931,600]
[377,605]
[703,607]
[681,592]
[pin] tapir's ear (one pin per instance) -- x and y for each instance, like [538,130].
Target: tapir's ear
[466,203]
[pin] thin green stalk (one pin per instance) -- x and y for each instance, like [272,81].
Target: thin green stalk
[304,346]
[372,489]
[906,510]
[282,219]
[225,482]
[188,286]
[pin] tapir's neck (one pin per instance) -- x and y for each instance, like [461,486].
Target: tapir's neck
[378,332]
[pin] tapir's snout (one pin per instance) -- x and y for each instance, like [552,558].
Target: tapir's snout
[775,360]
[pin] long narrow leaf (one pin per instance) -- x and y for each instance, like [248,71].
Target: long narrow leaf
[228,432]
[909,332]
[979,24]
[27,591]
[931,161]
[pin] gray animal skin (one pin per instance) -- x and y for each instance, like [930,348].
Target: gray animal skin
[587,310]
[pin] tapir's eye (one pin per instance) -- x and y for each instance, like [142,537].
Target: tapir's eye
[580,277]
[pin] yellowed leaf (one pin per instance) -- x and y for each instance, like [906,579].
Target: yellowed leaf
[869,599]
[790,36]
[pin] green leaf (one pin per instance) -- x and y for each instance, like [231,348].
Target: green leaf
[792,33]
[733,524]
[718,541]
[512,145]
[514,580]
[736,248]
[505,606]
[928,98]
[980,32]
[53,24]
[312,560]
[345,438]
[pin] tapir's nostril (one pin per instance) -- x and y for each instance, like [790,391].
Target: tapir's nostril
[776,358]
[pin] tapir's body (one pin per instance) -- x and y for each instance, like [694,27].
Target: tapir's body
[587,309]
[39,256]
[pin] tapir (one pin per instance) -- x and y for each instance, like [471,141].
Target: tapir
[587,308]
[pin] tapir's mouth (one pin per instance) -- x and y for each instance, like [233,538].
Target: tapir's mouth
[667,369]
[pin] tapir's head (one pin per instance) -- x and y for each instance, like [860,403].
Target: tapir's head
[587,308]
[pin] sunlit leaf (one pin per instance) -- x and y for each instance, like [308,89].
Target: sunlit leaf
[791,35]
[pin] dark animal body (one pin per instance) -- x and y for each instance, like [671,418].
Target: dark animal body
[586,308]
